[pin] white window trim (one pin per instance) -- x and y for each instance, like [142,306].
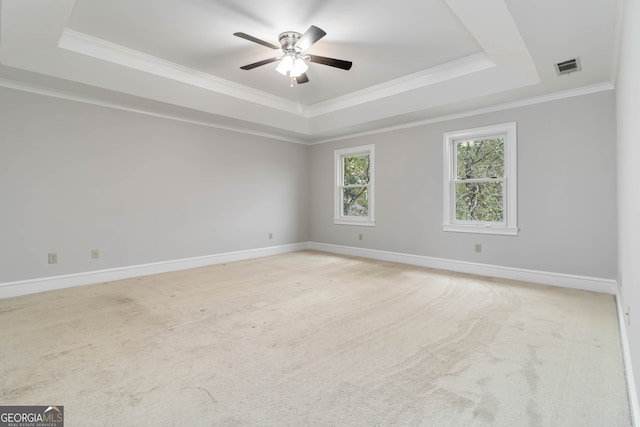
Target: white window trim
[339,218]
[509,227]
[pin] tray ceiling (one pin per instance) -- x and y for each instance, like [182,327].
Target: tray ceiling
[426,59]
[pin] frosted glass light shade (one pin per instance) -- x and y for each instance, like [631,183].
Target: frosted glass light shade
[285,65]
[291,66]
[299,67]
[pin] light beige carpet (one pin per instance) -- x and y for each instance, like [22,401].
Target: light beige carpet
[315,339]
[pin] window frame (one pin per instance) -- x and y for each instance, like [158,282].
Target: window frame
[508,131]
[339,155]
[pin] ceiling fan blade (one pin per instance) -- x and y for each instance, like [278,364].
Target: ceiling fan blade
[312,35]
[256,40]
[259,63]
[302,78]
[338,63]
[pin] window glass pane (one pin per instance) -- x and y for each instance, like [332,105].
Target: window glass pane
[355,201]
[480,158]
[480,201]
[356,170]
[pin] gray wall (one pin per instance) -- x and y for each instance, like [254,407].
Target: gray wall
[628,129]
[566,191]
[76,177]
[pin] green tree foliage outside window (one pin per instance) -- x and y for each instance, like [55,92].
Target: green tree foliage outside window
[479,183]
[355,188]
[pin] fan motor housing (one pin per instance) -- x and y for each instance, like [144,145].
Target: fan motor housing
[288,40]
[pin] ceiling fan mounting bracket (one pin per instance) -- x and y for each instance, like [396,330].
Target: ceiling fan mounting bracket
[288,41]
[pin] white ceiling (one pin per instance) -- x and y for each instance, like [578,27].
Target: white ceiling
[413,60]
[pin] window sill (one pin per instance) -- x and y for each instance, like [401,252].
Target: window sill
[505,231]
[365,223]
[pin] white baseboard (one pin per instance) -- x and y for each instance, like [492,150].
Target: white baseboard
[545,278]
[24,287]
[541,277]
[634,405]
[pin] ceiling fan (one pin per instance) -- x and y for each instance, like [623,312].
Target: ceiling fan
[293,61]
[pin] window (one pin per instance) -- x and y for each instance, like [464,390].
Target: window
[354,186]
[480,180]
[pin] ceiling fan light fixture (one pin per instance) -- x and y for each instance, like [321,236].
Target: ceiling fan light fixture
[294,62]
[292,66]
[299,67]
[285,65]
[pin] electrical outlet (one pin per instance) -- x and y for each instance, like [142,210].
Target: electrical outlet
[477,247]
[53,258]
[360,236]
[270,236]
[95,253]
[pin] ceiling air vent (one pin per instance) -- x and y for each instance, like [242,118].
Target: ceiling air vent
[566,67]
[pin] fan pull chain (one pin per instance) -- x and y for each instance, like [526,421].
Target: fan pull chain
[292,79]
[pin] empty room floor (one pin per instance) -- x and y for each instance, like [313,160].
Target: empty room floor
[316,339]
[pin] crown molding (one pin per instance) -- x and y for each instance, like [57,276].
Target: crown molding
[94,47]
[451,70]
[55,93]
[586,90]
[30,88]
